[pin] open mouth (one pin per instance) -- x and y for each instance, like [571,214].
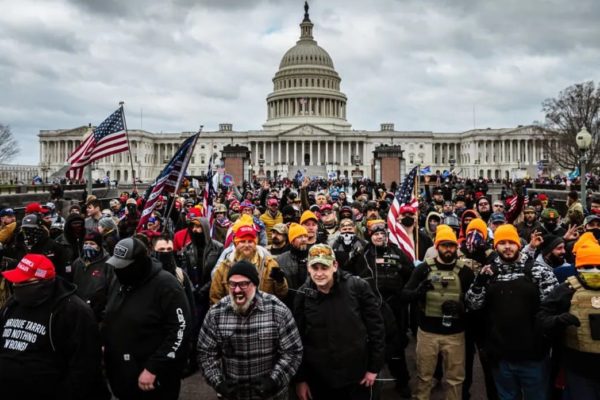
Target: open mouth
[239,298]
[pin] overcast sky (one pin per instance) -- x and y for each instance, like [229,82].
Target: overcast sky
[424,65]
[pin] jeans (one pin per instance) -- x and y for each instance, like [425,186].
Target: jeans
[529,378]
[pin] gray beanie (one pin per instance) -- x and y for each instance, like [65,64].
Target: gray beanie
[107,223]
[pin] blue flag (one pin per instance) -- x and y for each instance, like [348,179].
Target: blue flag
[426,170]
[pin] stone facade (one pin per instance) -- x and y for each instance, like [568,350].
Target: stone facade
[307,129]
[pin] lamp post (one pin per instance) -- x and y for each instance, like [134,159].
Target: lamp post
[583,140]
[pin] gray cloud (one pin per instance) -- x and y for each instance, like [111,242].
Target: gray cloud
[425,65]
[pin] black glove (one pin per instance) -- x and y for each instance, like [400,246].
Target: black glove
[424,287]
[266,387]
[451,307]
[567,319]
[482,279]
[277,275]
[227,389]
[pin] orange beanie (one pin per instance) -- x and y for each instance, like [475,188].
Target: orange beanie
[506,232]
[478,225]
[587,237]
[587,254]
[444,233]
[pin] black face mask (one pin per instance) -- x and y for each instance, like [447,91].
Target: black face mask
[596,233]
[33,237]
[33,294]
[550,226]
[198,238]
[167,260]
[407,221]
[131,209]
[134,273]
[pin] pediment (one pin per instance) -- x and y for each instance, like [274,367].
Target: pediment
[306,130]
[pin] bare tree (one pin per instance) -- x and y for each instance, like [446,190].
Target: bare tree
[9,147]
[576,106]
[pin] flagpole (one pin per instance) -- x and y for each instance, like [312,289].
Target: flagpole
[186,161]
[416,189]
[121,103]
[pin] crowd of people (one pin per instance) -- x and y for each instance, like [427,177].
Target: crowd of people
[296,290]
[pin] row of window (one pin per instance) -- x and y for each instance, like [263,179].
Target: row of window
[308,82]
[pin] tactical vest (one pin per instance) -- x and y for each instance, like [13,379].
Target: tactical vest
[585,305]
[446,286]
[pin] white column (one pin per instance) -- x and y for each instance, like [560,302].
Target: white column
[318,152]
[279,158]
[335,144]
[295,154]
[303,153]
[326,152]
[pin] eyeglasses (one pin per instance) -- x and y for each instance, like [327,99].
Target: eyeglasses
[242,285]
[499,205]
[484,203]
[325,212]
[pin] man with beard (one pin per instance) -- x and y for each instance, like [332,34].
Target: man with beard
[386,268]
[552,253]
[146,328]
[92,275]
[272,279]
[329,219]
[279,240]
[348,247]
[509,291]
[293,262]
[271,217]
[221,223]
[50,347]
[249,344]
[439,284]
[372,211]
[575,212]
[571,314]
[529,224]
[483,208]
[342,330]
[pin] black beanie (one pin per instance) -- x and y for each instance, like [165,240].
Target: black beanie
[246,269]
[550,242]
[94,236]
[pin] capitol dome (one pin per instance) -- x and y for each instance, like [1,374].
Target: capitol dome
[306,88]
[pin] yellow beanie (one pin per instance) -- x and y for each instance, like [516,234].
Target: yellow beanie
[244,220]
[587,254]
[306,215]
[443,233]
[478,225]
[296,230]
[507,232]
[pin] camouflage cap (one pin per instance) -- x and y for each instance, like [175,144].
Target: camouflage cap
[321,254]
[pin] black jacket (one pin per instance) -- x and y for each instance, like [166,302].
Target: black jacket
[53,251]
[342,332]
[199,266]
[145,327]
[293,265]
[93,282]
[64,360]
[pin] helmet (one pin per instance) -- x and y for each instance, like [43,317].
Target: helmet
[220,208]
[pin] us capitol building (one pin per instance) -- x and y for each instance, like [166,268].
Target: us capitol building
[307,129]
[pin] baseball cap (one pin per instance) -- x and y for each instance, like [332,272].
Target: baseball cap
[125,252]
[272,202]
[590,218]
[7,211]
[326,207]
[280,228]
[321,254]
[245,231]
[408,210]
[31,221]
[31,266]
[497,217]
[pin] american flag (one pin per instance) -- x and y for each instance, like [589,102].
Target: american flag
[209,193]
[110,137]
[404,196]
[169,178]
